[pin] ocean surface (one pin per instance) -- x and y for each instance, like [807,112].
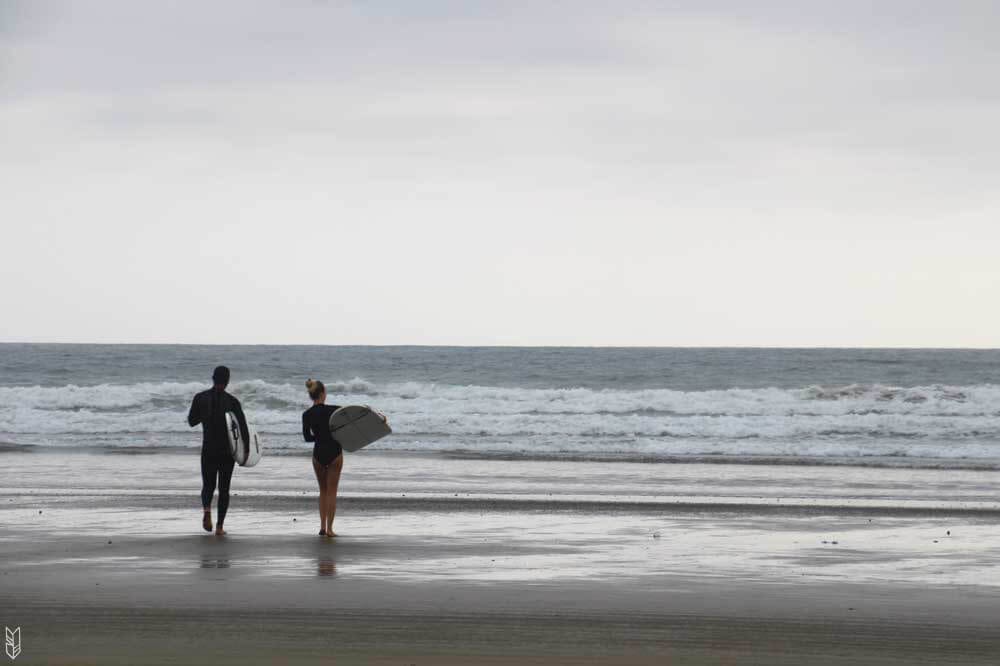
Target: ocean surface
[910,408]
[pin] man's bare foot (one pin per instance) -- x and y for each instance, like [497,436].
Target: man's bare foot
[331,533]
[206,522]
[219,531]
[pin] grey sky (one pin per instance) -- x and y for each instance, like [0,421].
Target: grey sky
[693,173]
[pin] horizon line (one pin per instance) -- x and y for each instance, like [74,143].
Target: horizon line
[501,346]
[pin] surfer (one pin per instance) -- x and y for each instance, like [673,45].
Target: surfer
[209,409]
[328,459]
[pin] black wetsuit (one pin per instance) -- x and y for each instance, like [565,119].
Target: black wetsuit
[209,409]
[316,428]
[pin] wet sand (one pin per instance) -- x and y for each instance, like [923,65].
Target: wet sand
[292,599]
[95,571]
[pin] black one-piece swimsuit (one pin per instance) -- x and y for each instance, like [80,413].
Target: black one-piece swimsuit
[316,428]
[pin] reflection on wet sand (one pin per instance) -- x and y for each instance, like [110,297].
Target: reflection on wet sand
[326,567]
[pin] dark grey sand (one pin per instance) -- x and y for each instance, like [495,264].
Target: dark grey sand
[95,571]
[199,599]
[292,599]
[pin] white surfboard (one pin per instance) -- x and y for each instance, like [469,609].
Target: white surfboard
[245,453]
[356,426]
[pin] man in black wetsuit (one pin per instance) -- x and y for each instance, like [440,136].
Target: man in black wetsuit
[209,409]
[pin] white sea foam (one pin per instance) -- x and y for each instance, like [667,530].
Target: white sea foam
[847,421]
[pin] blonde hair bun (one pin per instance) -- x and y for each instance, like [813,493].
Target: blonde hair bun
[315,388]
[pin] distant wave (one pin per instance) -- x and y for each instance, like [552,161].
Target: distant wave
[851,421]
[941,400]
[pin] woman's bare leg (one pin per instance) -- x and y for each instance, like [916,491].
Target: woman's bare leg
[321,477]
[332,482]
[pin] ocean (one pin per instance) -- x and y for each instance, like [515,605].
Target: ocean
[909,408]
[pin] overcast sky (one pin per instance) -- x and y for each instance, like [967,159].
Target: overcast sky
[558,173]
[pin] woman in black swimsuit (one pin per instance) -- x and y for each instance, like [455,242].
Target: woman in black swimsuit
[328,459]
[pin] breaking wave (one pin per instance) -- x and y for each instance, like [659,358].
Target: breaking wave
[853,421]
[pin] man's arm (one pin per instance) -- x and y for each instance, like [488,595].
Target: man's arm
[194,416]
[238,410]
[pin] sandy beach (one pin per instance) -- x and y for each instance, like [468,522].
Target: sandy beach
[97,571]
[198,600]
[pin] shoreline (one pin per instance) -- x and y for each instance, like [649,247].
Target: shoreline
[873,462]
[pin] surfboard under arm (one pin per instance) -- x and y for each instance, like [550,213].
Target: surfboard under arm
[356,426]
